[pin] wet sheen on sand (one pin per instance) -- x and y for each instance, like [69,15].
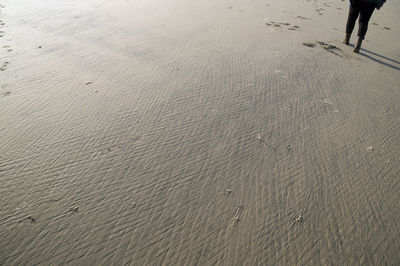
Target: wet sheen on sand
[183,132]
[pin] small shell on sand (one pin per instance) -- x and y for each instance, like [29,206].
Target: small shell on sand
[238,214]
[74,209]
[299,219]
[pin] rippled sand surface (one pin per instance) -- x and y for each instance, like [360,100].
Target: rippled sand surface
[182,132]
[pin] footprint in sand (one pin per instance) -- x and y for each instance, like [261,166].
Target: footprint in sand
[294,28]
[320,11]
[327,47]
[303,18]
[331,48]
[8,48]
[1,33]
[387,28]
[281,25]
[272,24]
[4,66]
[309,44]
[7,93]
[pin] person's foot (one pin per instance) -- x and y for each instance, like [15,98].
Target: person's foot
[346,39]
[358,45]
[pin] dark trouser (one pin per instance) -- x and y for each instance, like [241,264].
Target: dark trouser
[362,9]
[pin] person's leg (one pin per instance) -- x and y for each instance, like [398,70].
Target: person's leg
[354,11]
[365,14]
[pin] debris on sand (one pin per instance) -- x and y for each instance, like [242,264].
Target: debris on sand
[74,209]
[260,138]
[288,148]
[299,219]
[370,148]
[228,191]
[88,82]
[238,214]
[29,219]
[327,101]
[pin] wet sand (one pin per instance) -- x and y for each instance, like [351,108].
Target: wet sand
[180,132]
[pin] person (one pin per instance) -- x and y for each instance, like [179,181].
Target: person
[364,10]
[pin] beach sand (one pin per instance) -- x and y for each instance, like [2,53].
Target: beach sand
[176,132]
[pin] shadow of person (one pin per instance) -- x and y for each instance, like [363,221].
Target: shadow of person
[376,57]
[379,61]
[381,56]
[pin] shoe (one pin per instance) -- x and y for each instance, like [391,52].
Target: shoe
[346,39]
[358,45]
